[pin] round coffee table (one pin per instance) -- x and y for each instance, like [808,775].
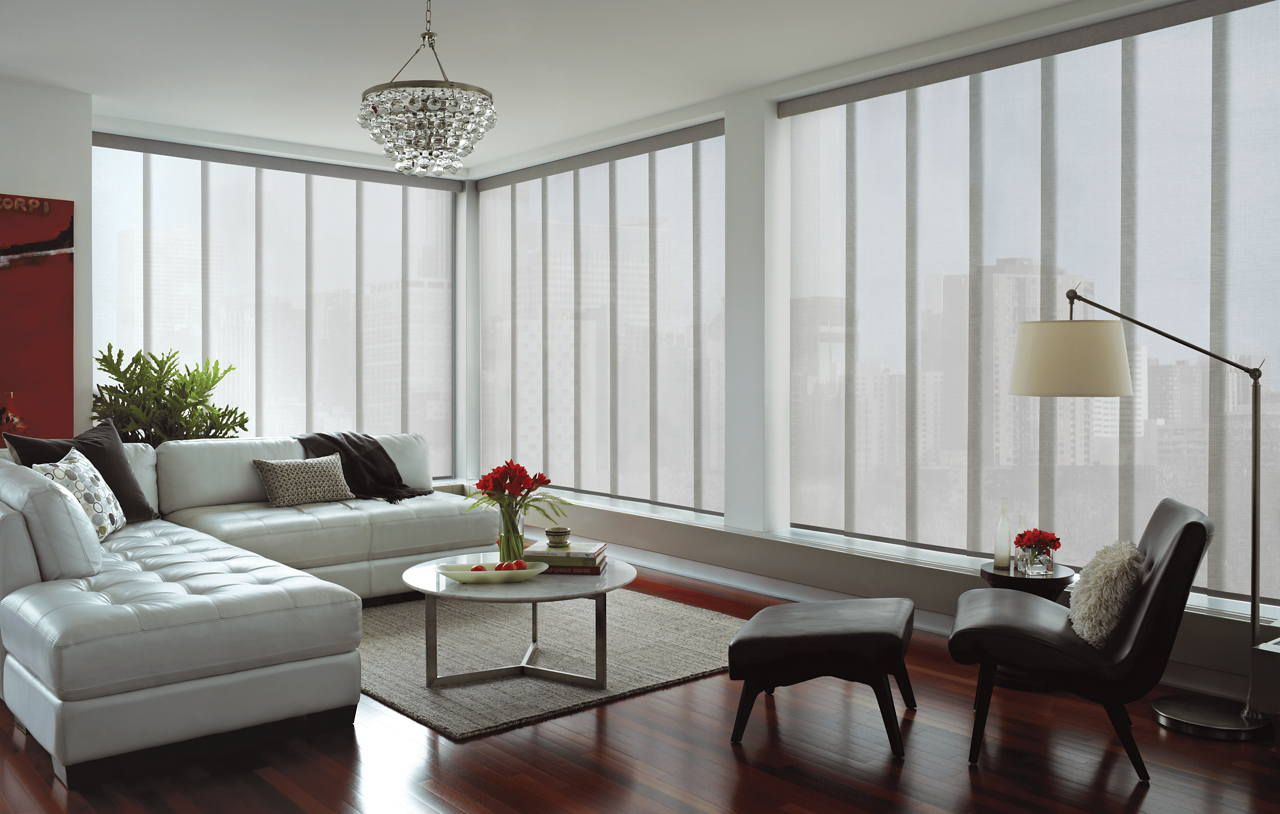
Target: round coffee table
[1049,586]
[542,588]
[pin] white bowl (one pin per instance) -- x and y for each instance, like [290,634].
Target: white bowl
[463,573]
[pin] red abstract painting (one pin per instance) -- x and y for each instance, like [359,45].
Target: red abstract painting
[36,316]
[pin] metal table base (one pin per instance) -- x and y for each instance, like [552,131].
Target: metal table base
[524,667]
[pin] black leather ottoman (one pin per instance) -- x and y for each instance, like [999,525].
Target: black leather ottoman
[861,640]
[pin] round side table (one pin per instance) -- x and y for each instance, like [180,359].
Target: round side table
[1049,586]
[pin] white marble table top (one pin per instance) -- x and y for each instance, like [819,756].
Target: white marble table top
[542,588]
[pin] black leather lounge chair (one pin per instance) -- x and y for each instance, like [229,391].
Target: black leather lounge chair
[1005,627]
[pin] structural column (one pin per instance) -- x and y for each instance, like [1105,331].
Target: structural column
[757,315]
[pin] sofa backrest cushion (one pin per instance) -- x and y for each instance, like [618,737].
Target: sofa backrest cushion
[142,459]
[216,471]
[65,543]
[412,456]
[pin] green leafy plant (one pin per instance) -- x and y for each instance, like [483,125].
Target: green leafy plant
[153,402]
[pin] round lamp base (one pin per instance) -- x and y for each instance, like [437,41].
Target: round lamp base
[1207,716]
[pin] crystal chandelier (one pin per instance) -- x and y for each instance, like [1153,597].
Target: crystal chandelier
[427,126]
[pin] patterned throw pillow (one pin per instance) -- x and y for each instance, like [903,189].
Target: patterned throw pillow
[314,480]
[82,479]
[1101,596]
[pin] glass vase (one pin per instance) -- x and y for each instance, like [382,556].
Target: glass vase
[511,536]
[1033,561]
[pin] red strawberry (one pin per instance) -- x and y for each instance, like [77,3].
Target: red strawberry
[479,568]
[520,565]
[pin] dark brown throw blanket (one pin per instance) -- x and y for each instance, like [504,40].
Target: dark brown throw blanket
[368,469]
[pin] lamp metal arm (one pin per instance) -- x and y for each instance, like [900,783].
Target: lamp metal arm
[1255,373]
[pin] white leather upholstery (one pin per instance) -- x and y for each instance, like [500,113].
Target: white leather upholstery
[320,534]
[172,605]
[63,538]
[412,456]
[142,460]
[76,731]
[216,471]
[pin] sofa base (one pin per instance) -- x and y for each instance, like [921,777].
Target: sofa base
[159,758]
[78,732]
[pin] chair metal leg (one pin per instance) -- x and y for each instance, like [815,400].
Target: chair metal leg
[904,686]
[1128,721]
[1120,721]
[890,715]
[750,689]
[981,704]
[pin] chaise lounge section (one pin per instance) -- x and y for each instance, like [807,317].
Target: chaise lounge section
[224,615]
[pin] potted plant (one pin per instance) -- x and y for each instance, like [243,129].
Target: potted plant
[152,401]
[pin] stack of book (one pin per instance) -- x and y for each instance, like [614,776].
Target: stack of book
[581,557]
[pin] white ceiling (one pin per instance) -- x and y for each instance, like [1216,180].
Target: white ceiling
[293,70]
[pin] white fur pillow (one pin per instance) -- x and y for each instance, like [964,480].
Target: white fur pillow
[1103,592]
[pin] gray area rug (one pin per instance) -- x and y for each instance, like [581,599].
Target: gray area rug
[652,643]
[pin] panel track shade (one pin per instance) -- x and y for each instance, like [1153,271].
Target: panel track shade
[1070,358]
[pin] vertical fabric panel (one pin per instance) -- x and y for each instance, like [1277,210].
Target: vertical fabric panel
[1251,177]
[528,318]
[1045,476]
[283,320]
[174,255]
[978,369]
[331,257]
[231,305]
[1012,281]
[593,308]
[821,389]
[942,256]
[632,309]
[911,317]
[652,202]
[710,239]
[561,336]
[675,325]
[117,253]
[1130,419]
[1172,175]
[495,317]
[1081,229]
[880,441]
[381,344]
[428,238]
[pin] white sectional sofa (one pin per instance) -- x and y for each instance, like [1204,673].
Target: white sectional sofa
[223,615]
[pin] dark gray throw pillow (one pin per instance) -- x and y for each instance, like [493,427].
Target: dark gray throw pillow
[311,480]
[104,449]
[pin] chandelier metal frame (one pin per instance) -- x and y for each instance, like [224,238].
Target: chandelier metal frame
[427,125]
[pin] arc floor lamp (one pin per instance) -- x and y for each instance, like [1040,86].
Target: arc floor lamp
[1088,358]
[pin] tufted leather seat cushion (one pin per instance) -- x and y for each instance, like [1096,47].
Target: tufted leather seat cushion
[319,534]
[172,604]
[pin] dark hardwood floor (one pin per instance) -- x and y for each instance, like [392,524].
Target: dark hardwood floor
[816,748]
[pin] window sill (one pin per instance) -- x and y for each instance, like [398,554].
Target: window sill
[956,562]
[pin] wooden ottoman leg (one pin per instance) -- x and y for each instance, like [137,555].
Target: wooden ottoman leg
[890,715]
[981,704]
[904,686]
[750,689]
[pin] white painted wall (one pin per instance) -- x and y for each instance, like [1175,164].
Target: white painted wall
[46,151]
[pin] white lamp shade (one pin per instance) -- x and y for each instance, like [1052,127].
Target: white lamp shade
[1081,357]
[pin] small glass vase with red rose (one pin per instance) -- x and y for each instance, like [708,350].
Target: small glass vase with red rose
[1033,552]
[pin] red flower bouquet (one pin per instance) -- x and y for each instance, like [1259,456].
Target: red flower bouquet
[1044,541]
[511,489]
[1034,552]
